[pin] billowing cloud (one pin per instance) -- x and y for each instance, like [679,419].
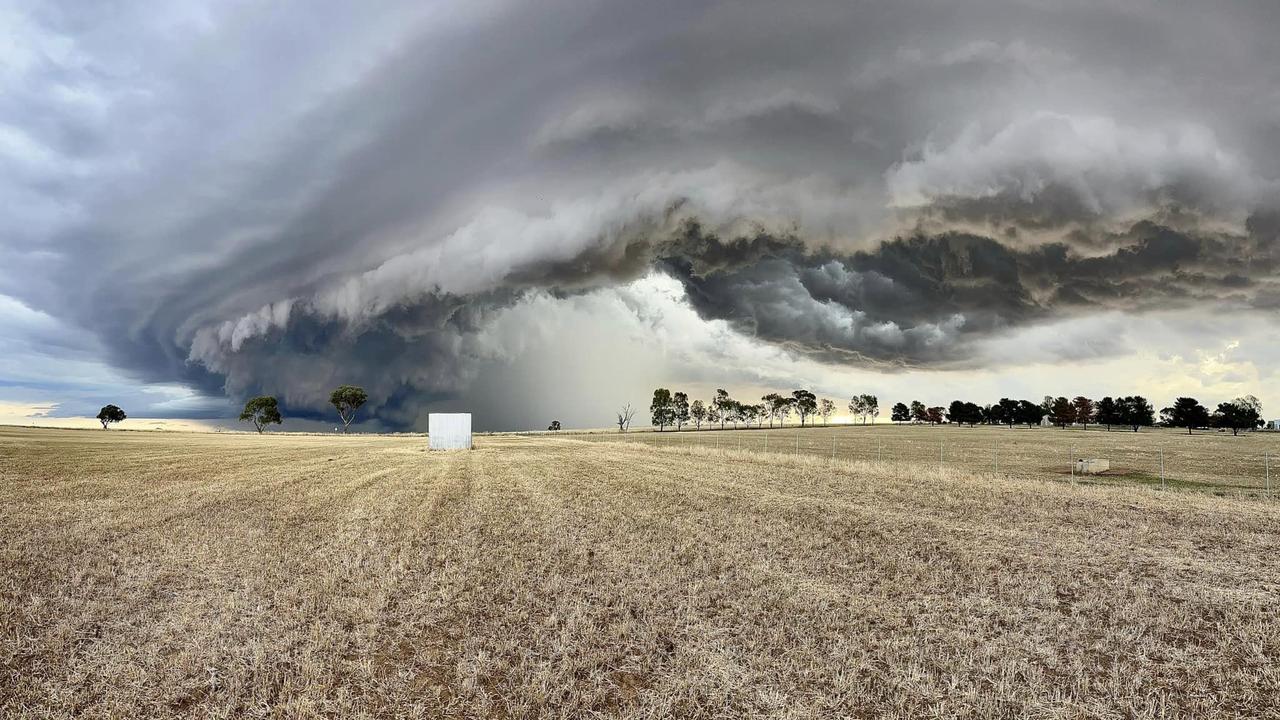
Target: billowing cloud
[279,199]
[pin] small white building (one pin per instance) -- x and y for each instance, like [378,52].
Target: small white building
[449,431]
[1274,425]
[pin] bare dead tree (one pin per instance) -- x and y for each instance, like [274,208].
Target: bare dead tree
[624,417]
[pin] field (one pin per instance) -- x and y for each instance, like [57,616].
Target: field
[232,575]
[1205,460]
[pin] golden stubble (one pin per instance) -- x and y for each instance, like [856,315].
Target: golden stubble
[205,575]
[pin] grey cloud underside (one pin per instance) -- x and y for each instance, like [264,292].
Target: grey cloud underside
[916,301]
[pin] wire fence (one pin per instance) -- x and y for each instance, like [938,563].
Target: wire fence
[1155,458]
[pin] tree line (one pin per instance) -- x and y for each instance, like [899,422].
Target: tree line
[264,410]
[675,410]
[670,409]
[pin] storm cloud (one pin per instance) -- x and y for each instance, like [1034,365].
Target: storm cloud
[282,199]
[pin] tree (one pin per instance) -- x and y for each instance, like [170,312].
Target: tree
[934,415]
[681,408]
[870,408]
[733,412]
[624,417]
[662,409]
[960,412]
[772,402]
[722,405]
[1084,410]
[806,404]
[698,412]
[1136,412]
[747,413]
[261,411]
[1108,412]
[1186,412]
[899,413]
[1008,412]
[1062,411]
[1029,413]
[784,410]
[348,399]
[110,414]
[919,413]
[554,426]
[857,406]
[1240,414]
[826,408]
[760,412]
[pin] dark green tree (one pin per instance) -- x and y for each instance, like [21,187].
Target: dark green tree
[662,410]
[1085,410]
[900,413]
[1136,412]
[806,404]
[680,406]
[110,414]
[919,412]
[723,405]
[261,411]
[1108,412]
[698,412]
[1062,411]
[347,399]
[1030,413]
[1240,414]
[1186,412]
[1008,412]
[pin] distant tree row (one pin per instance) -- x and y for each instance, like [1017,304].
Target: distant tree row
[1132,411]
[670,409]
[675,410]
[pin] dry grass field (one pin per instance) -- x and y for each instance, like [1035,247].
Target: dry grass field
[206,575]
[1205,460]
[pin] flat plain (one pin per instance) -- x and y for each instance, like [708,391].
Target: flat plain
[233,575]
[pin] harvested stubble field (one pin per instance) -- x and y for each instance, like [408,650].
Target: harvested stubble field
[1205,460]
[150,574]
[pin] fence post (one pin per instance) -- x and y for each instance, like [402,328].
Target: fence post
[797,452]
[1162,468]
[940,442]
[1073,464]
[1266,464]
[879,451]
[833,451]
[995,457]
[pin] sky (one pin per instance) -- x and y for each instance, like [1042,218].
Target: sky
[537,211]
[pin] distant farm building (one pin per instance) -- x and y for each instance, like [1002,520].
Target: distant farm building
[1274,424]
[449,431]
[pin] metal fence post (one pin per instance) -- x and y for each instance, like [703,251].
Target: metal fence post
[940,443]
[879,451]
[1162,468]
[833,451]
[1266,464]
[1073,464]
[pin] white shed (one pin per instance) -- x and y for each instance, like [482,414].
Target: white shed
[1274,424]
[449,431]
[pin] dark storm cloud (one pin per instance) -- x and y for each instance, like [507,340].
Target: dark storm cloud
[275,199]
